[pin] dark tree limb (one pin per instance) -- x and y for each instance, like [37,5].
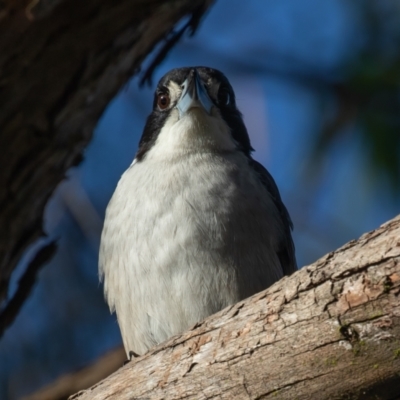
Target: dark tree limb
[329,331]
[25,285]
[61,62]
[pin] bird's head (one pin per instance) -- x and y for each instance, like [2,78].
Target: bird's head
[194,110]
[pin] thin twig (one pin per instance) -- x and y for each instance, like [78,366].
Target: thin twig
[171,41]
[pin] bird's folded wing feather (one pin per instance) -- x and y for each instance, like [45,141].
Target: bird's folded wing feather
[286,252]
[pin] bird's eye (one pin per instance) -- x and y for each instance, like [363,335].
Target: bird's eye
[224,97]
[163,101]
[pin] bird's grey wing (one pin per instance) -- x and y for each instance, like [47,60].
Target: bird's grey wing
[286,252]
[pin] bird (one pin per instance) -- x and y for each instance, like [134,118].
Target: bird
[195,223]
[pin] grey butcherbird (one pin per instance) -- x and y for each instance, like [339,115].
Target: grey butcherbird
[195,224]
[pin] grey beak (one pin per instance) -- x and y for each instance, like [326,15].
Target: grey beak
[194,94]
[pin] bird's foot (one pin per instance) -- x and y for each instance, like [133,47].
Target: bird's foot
[132,354]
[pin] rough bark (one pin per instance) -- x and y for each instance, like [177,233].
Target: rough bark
[329,331]
[61,62]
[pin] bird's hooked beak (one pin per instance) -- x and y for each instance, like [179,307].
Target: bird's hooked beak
[194,94]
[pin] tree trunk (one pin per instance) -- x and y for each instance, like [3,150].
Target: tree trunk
[329,331]
[61,62]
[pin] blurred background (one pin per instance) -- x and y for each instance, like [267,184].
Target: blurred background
[318,83]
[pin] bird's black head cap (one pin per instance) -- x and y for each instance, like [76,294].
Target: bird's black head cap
[220,92]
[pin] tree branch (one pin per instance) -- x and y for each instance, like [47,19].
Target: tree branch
[61,62]
[329,331]
[25,285]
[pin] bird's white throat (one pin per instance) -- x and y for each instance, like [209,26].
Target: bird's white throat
[195,132]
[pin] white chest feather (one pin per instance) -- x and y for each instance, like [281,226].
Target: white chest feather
[184,237]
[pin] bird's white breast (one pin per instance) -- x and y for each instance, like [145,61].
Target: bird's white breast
[185,235]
